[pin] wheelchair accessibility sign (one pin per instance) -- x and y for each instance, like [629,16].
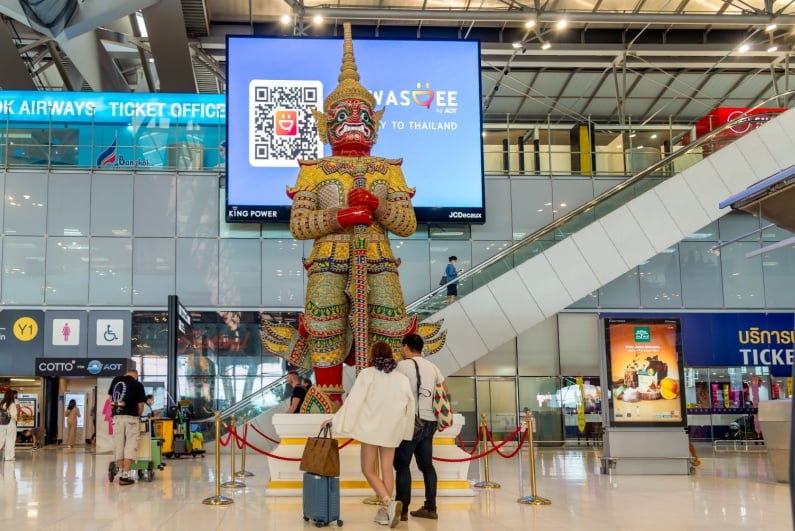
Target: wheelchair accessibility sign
[110,332]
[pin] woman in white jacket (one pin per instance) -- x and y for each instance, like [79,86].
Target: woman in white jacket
[379,413]
[8,432]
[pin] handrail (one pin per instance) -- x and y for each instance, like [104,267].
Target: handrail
[555,224]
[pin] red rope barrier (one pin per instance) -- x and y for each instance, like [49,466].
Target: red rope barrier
[238,441]
[244,442]
[472,458]
[463,446]
[518,446]
[228,437]
[264,436]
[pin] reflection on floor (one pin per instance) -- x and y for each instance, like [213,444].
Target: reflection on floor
[68,489]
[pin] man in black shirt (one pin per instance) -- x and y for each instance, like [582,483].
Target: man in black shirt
[127,397]
[298,394]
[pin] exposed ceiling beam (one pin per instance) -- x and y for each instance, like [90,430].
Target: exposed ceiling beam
[91,15]
[15,71]
[94,63]
[168,39]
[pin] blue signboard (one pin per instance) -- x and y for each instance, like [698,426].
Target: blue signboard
[735,339]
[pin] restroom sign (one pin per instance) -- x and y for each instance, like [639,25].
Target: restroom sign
[65,332]
[110,332]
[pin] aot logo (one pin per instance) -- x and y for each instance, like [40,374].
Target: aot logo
[285,122]
[642,334]
[94,367]
[25,329]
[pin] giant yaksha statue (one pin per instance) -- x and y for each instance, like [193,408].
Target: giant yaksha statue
[347,203]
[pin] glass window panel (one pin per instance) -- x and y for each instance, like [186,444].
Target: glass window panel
[589,301]
[483,250]
[778,268]
[497,401]
[234,230]
[197,271]
[660,286]
[23,270]
[2,187]
[155,205]
[68,205]
[154,267]
[775,233]
[498,219]
[702,286]
[26,203]
[414,280]
[283,273]
[736,224]
[531,205]
[708,233]
[623,292]
[441,250]
[541,397]
[569,193]
[538,349]
[501,361]
[462,400]
[742,277]
[112,204]
[110,277]
[240,276]
[67,271]
[197,208]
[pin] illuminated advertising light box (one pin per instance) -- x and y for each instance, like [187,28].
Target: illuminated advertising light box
[645,372]
[431,94]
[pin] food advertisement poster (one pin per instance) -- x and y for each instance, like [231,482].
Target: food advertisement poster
[644,368]
[27,411]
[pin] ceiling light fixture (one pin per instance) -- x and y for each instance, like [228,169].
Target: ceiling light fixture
[772,48]
[286,19]
[530,23]
[317,19]
[562,23]
[546,46]
[516,44]
[770,27]
[654,135]
[744,47]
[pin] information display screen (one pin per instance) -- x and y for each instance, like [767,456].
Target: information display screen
[431,94]
[644,371]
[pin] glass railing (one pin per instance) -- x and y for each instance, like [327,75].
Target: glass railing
[253,405]
[600,206]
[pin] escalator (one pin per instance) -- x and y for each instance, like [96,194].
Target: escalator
[582,251]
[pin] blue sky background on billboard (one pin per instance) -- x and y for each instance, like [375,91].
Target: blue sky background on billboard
[431,91]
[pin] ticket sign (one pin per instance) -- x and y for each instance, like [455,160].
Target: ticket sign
[644,369]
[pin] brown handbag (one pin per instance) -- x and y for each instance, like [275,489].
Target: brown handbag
[321,454]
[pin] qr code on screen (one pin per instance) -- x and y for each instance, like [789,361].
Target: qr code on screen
[281,126]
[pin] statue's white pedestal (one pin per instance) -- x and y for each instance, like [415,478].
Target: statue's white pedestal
[287,480]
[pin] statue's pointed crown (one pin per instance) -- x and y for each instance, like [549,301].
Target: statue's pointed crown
[349,86]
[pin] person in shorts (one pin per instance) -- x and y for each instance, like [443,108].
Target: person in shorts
[127,396]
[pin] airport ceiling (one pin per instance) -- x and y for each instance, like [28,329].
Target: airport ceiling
[615,61]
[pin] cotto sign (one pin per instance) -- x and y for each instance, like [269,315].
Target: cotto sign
[60,367]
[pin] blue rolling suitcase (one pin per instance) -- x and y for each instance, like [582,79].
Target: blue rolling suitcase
[321,499]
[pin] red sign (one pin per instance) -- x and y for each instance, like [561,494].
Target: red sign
[723,115]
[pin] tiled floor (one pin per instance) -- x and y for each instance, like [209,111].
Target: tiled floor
[63,489]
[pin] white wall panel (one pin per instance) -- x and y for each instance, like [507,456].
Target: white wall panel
[445,361]
[537,349]
[735,170]
[486,316]
[680,202]
[707,186]
[603,257]
[463,340]
[762,160]
[627,237]
[517,303]
[778,143]
[572,269]
[541,280]
[655,221]
[578,337]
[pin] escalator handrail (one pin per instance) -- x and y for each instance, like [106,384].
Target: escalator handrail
[585,207]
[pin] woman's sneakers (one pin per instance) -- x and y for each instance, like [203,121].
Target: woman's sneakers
[381,517]
[393,510]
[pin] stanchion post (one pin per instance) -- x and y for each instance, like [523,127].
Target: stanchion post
[243,473]
[487,483]
[232,483]
[533,499]
[217,499]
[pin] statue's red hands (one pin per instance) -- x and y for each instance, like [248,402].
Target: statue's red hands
[361,197]
[354,215]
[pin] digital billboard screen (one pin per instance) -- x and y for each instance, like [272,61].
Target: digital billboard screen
[645,372]
[430,91]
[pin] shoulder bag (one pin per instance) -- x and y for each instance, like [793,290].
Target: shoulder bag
[321,454]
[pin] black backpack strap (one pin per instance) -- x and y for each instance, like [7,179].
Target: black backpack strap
[417,368]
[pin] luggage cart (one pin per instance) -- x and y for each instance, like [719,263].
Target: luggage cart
[148,456]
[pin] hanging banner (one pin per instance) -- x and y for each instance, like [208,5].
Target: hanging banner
[581,405]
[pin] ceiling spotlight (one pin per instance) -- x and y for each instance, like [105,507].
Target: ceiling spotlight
[654,135]
[546,46]
[770,27]
[151,59]
[530,23]
[744,47]
[317,19]
[516,44]
[772,48]
[562,23]
[286,19]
